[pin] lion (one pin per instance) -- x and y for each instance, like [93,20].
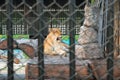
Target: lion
[53,44]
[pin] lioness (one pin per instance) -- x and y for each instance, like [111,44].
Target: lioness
[53,44]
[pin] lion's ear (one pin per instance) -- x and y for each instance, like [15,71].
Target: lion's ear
[50,29]
[55,30]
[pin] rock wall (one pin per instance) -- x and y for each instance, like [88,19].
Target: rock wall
[88,46]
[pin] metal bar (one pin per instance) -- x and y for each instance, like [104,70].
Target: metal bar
[104,30]
[10,41]
[72,40]
[110,48]
[40,41]
[1,18]
[116,27]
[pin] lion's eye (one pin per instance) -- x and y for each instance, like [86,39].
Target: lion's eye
[58,38]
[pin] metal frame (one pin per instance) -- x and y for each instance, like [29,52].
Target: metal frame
[40,37]
[10,41]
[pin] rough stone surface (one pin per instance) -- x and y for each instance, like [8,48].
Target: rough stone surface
[87,35]
[92,14]
[88,51]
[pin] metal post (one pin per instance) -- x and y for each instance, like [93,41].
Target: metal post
[72,40]
[10,41]
[40,38]
[110,47]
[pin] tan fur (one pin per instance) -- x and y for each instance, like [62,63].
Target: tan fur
[53,44]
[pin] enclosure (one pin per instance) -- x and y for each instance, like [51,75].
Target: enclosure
[25,24]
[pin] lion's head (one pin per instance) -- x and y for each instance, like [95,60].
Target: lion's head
[56,33]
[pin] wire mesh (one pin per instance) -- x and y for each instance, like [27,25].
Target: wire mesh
[59,40]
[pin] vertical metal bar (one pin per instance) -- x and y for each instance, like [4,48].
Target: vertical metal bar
[40,41]
[72,39]
[100,32]
[10,41]
[104,30]
[110,48]
[1,22]
[24,21]
[1,18]
[116,27]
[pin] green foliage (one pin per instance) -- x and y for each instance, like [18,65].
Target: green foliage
[26,57]
[15,36]
[66,37]
[92,1]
